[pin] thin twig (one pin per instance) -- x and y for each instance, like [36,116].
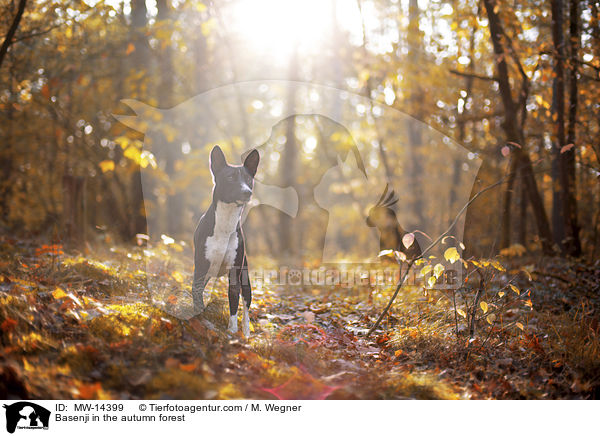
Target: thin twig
[473,75]
[473,312]
[8,39]
[455,314]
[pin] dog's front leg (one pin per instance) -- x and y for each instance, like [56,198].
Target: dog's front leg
[234,298]
[200,280]
[247,297]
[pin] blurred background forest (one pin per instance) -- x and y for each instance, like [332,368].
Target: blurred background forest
[514,83]
[109,110]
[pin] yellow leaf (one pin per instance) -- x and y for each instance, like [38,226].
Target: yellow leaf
[451,255]
[539,100]
[425,270]
[515,289]
[513,250]
[438,270]
[484,306]
[497,265]
[177,276]
[132,153]
[123,141]
[107,165]
[147,158]
[177,247]
[461,313]
[167,240]
[520,326]
[28,366]
[385,253]
[59,293]
[431,281]
[500,294]
[363,76]
[491,318]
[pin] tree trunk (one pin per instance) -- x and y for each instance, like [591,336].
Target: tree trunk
[513,132]
[569,155]
[74,210]
[522,223]
[173,212]
[139,60]
[415,133]
[559,183]
[506,222]
[461,122]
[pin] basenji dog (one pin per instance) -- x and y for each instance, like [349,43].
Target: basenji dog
[219,246]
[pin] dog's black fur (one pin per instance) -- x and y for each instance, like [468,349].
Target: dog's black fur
[219,245]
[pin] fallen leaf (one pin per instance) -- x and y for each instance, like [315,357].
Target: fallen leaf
[59,293]
[171,362]
[8,325]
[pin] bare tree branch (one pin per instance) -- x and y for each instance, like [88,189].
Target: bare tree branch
[474,76]
[8,39]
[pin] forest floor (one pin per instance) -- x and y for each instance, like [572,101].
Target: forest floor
[83,325]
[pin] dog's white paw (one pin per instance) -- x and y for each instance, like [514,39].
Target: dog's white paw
[246,320]
[233,326]
[246,324]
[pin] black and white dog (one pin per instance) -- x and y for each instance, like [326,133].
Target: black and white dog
[218,240]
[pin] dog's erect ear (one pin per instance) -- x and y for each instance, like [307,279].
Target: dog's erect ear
[251,162]
[217,160]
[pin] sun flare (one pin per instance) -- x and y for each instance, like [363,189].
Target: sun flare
[279,27]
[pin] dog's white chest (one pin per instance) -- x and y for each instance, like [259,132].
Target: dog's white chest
[221,247]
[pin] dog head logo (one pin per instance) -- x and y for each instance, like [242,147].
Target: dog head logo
[26,415]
